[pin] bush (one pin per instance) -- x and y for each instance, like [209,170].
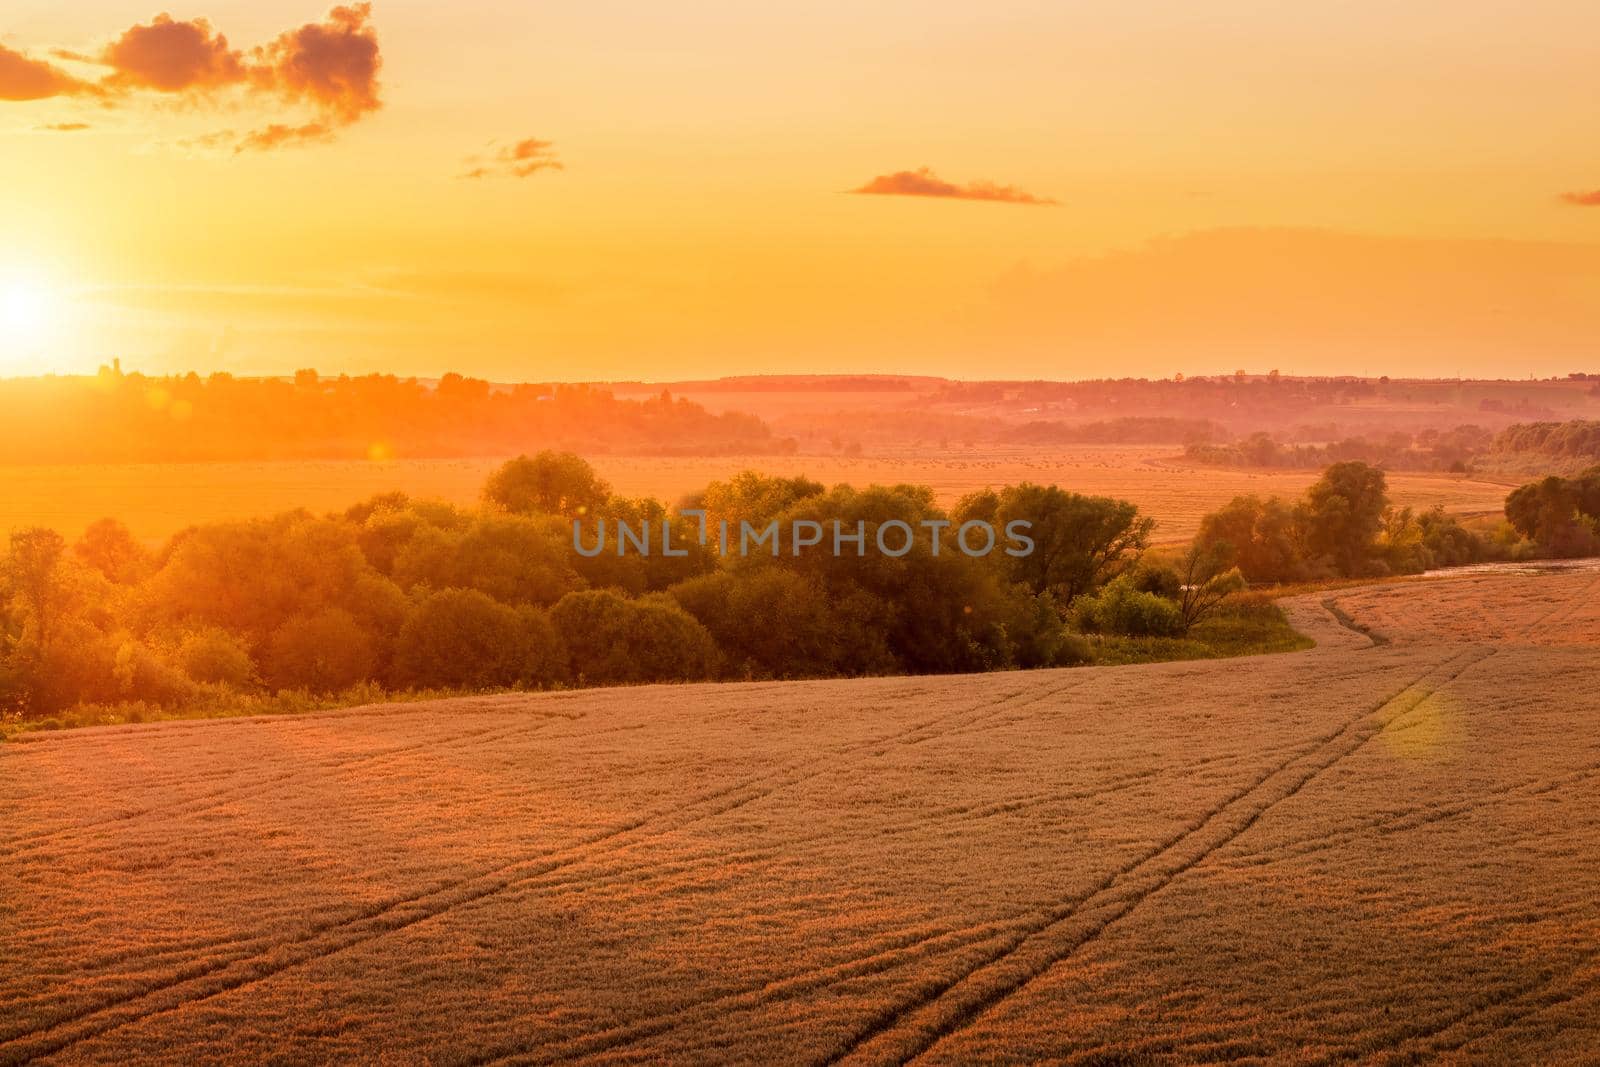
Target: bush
[1121,608]
[143,674]
[320,652]
[216,657]
[462,638]
[774,623]
[614,641]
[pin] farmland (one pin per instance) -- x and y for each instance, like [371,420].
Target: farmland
[1382,848]
[157,500]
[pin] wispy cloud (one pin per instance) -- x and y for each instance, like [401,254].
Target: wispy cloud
[923,182]
[25,78]
[1589,199]
[523,159]
[63,127]
[328,68]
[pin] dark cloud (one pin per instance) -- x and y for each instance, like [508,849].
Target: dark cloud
[523,159]
[63,127]
[923,182]
[24,78]
[1589,199]
[329,68]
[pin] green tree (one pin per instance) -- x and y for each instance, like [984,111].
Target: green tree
[320,651]
[514,559]
[551,483]
[612,640]
[1261,537]
[462,638]
[1206,578]
[772,622]
[1080,542]
[1548,513]
[1343,514]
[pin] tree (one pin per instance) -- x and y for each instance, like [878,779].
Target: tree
[33,575]
[1080,542]
[110,548]
[322,652]
[1548,513]
[1343,513]
[462,638]
[216,657]
[772,622]
[612,640]
[515,559]
[1207,578]
[1261,537]
[552,483]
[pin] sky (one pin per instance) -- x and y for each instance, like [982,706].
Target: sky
[607,191]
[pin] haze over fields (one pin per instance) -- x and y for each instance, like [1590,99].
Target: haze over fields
[1382,848]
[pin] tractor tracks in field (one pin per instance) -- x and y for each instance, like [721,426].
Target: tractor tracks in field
[203,979]
[947,1007]
[216,798]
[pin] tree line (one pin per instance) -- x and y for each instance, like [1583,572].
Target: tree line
[119,418]
[408,594]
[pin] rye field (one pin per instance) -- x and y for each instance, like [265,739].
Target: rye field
[156,500]
[1384,849]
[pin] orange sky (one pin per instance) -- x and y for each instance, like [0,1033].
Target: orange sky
[1139,188]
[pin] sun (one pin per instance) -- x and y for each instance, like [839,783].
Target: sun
[26,308]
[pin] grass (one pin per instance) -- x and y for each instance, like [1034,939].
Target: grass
[1249,625]
[221,705]
[1366,853]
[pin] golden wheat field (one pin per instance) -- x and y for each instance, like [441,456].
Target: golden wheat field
[157,500]
[1384,848]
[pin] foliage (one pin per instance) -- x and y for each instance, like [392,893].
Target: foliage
[1121,608]
[1080,542]
[1559,514]
[552,483]
[613,640]
[465,639]
[407,593]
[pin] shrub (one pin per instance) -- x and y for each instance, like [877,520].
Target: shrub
[215,657]
[774,623]
[143,674]
[1122,609]
[321,652]
[614,641]
[462,638]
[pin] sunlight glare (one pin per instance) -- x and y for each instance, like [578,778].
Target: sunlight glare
[25,311]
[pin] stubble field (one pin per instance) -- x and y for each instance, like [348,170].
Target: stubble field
[1382,848]
[158,500]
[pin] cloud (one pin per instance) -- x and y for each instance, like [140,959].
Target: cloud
[172,57]
[24,78]
[278,135]
[923,182]
[328,68]
[63,127]
[1589,199]
[333,65]
[523,159]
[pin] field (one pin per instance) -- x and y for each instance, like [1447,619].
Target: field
[1384,848]
[157,500]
